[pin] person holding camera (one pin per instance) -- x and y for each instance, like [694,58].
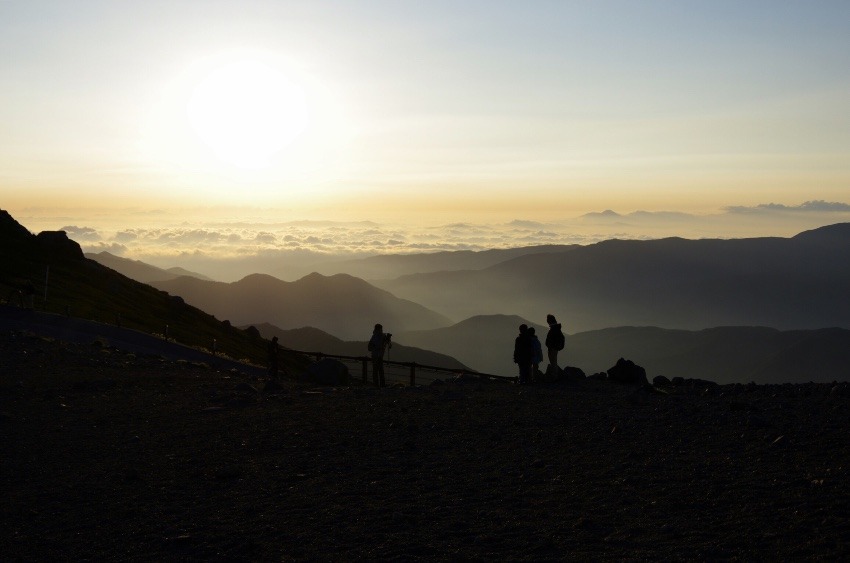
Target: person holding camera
[377,344]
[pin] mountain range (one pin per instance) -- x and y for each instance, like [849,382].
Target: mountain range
[342,305]
[721,354]
[141,271]
[713,298]
[786,283]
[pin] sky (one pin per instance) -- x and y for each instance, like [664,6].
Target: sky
[212,116]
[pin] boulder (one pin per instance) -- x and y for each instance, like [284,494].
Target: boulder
[660,381]
[327,372]
[628,373]
[58,243]
[571,373]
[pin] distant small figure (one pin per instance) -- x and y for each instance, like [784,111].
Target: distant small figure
[377,344]
[29,294]
[555,341]
[214,346]
[537,356]
[274,356]
[523,354]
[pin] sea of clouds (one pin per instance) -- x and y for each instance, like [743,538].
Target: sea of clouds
[230,250]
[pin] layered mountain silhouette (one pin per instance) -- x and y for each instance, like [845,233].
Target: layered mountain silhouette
[388,266]
[141,271]
[342,305]
[723,354]
[785,283]
[309,339]
[794,285]
[485,342]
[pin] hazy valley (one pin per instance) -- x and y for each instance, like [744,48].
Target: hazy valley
[764,309]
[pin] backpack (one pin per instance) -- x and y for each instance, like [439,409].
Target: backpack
[559,340]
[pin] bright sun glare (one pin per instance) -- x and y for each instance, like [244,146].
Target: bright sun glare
[247,112]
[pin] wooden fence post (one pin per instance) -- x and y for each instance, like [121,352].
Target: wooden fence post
[413,374]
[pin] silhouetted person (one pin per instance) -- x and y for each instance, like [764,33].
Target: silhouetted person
[29,294]
[523,354]
[274,358]
[537,355]
[377,344]
[555,341]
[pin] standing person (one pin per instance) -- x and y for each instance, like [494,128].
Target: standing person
[274,354]
[537,355]
[29,293]
[523,354]
[377,345]
[555,341]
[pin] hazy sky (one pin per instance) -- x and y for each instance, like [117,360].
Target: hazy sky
[420,112]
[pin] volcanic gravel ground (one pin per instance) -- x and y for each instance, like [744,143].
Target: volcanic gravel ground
[109,456]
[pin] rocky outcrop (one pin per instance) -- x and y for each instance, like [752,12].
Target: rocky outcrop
[58,243]
[628,373]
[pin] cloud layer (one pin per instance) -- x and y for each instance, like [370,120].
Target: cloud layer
[288,250]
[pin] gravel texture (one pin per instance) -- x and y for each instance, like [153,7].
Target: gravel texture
[112,456]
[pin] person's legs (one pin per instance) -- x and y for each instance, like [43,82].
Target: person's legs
[553,360]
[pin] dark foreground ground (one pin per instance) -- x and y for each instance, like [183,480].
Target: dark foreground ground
[109,456]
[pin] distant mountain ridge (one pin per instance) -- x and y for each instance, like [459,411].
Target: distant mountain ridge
[394,265]
[141,271]
[785,283]
[342,305]
[721,354]
[309,339]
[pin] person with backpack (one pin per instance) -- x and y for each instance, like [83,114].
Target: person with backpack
[555,341]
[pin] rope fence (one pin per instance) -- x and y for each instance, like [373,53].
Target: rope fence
[411,372]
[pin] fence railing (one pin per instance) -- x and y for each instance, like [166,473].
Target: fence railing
[415,371]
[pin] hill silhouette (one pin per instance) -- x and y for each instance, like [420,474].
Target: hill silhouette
[342,305]
[721,354]
[67,283]
[141,271]
[309,339]
[784,283]
[485,342]
[388,266]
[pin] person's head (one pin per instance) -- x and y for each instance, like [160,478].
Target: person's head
[550,319]
[378,328]
[523,329]
[531,331]
[274,339]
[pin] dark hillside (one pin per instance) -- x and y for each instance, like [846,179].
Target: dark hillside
[67,283]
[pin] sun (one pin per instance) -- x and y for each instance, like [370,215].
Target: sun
[247,112]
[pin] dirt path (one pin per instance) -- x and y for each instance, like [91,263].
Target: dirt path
[83,331]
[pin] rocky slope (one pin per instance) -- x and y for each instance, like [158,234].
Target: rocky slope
[110,456]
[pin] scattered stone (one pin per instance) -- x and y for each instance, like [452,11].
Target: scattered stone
[571,373]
